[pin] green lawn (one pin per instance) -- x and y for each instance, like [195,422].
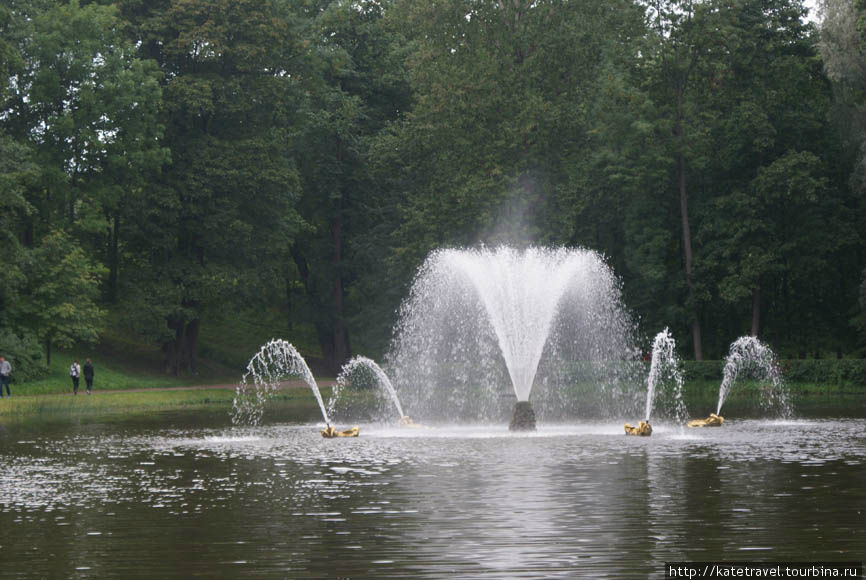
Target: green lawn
[27,407]
[123,361]
[111,374]
[63,407]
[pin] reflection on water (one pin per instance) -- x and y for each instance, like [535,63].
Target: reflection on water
[569,501]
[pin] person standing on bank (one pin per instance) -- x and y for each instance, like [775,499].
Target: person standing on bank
[75,375]
[88,375]
[5,371]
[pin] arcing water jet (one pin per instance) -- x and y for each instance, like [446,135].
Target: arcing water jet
[275,362]
[749,357]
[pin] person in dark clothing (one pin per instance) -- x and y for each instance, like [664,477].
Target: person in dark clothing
[75,375]
[88,375]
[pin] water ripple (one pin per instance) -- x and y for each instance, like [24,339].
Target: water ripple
[465,502]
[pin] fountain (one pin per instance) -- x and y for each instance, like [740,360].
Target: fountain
[749,357]
[664,370]
[363,369]
[479,319]
[276,361]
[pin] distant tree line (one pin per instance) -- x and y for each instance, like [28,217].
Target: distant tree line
[162,161]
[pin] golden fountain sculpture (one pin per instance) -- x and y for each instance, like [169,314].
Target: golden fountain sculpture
[329,432]
[407,422]
[712,421]
[643,429]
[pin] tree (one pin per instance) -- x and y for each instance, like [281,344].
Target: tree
[354,89]
[778,227]
[632,213]
[88,109]
[497,145]
[774,220]
[58,301]
[843,49]
[682,40]
[16,172]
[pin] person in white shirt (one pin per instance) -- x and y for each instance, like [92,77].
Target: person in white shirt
[5,371]
[75,375]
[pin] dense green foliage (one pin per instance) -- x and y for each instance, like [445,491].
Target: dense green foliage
[27,356]
[166,163]
[845,372]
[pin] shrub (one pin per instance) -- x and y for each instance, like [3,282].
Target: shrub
[703,370]
[25,356]
[846,371]
[826,371]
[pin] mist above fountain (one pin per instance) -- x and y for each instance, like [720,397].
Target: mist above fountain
[479,320]
[748,357]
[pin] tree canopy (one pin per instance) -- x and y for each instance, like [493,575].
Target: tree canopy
[164,164]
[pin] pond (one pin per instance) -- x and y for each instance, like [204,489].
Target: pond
[176,496]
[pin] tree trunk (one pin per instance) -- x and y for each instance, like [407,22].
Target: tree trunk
[289,301]
[169,356]
[48,352]
[171,349]
[29,233]
[338,352]
[687,235]
[304,273]
[340,338]
[180,353]
[756,309]
[112,260]
[191,345]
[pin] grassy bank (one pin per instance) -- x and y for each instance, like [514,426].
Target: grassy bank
[123,366]
[124,361]
[299,404]
[744,399]
[67,407]
[102,403]
[112,374]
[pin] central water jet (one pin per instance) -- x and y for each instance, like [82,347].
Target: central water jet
[520,291]
[472,312]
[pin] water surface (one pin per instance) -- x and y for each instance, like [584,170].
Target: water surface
[151,498]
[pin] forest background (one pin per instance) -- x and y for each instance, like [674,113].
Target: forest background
[177,172]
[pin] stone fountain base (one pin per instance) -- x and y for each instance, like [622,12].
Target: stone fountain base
[523,418]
